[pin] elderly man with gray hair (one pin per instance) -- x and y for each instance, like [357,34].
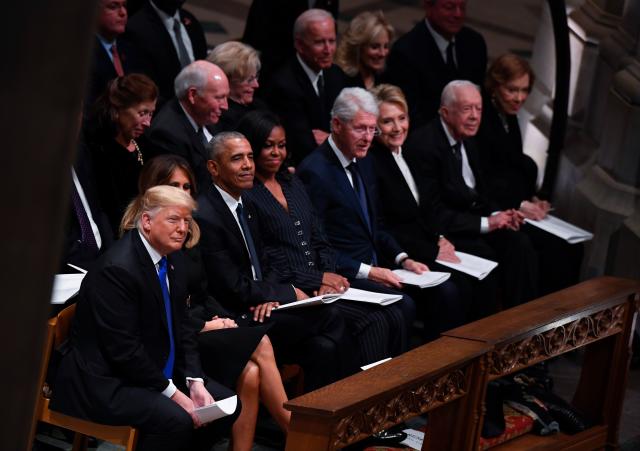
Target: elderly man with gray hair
[185,125]
[302,92]
[445,156]
[340,181]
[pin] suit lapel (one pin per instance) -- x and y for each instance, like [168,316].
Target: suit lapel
[150,275]
[340,177]
[161,32]
[396,180]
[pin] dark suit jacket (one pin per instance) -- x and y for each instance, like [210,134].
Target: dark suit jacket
[269,29]
[157,54]
[416,65]
[226,259]
[294,242]
[408,222]
[171,132]
[74,251]
[292,97]
[339,211]
[510,174]
[456,208]
[120,332]
[102,70]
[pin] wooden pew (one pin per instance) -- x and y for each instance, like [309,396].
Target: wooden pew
[440,376]
[448,376]
[597,315]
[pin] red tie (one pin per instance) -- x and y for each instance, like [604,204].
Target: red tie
[117,64]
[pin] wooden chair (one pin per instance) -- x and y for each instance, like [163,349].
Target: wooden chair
[57,332]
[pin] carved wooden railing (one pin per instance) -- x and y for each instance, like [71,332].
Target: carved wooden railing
[441,373]
[448,376]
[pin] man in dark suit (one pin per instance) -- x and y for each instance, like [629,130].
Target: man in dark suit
[133,358]
[88,232]
[341,184]
[241,278]
[444,155]
[180,127]
[269,29]
[168,38]
[437,50]
[302,92]
[113,55]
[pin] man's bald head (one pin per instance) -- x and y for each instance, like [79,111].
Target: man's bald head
[202,88]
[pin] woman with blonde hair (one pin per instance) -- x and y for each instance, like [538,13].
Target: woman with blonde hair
[241,64]
[364,46]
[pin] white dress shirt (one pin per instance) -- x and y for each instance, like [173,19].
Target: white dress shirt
[87,209]
[406,173]
[442,43]
[155,258]
[313,76]
[232,204]
[467,173]
[195,126]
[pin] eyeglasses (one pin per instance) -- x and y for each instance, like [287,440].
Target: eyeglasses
[362,130]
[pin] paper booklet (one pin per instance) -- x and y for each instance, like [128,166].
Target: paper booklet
[218,409]
[316,300]
[424,280]
[65,286]
[477,267]
[352,294]
[562,229]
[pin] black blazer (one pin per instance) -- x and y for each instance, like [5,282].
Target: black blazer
[408,222]
[416,65]
[456,209]
[74,250]
[292,97]
[294,242]
[102,70]
[171,132]
[339,211]
[158,56]
[226,259]
[120,332]
[510,174]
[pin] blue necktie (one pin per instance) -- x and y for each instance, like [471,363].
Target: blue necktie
[253,255]
[162,275]
[361,194]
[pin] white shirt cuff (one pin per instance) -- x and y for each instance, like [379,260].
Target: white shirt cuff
[401,256]
[484,225]
[363,271]
[193,379]
[170,390]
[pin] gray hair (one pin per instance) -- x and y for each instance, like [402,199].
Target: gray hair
[236,59]
[304,19]
[352,100]
[192,76]
[219,142]
[448,97]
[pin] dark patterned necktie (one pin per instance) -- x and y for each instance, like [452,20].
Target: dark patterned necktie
[88,238]
[183,54]
[253,255]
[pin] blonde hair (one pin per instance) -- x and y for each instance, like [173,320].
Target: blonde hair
[363,29]
[386,93]
[153,200]
[237,60]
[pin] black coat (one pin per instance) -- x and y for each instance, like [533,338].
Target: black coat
[120,333]
[408,222]
[158,55]
[292,97]
[416,65]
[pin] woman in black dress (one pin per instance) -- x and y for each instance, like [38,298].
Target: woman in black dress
[119,117]
[238,357]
